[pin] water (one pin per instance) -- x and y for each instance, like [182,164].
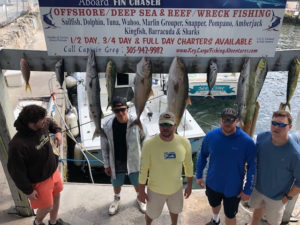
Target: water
[207,111]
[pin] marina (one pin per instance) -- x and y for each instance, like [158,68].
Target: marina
[86,203]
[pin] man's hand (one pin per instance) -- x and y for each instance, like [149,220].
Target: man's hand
[107,171]
[143,197]
[243,196]
[33,196]
[284,200]
[200,182]
[58,139]
[187,191]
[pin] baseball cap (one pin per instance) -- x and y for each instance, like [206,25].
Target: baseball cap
[167,117]
[229,112]
[118,101]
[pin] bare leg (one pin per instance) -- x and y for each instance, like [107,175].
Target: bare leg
[229,221]
[216,210]
[174,218]
[148,219]
[41,214]
[257,215]
[54,211]
[117,190]
[136,188]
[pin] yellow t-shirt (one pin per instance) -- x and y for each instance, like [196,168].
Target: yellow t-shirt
[164,162]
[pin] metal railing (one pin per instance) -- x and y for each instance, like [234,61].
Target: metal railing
[12,9]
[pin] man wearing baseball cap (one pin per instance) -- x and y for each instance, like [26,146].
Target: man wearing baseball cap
[229,149]
[121,151]
[162,158]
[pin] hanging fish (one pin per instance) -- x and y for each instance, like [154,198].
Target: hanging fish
[261,74]
[293,76]
[211,76]
[242,86]
[142,87]
[25,69]
[59,72]
[92,86]
[110,75]
[178,88]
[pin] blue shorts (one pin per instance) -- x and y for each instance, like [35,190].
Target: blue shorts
[120,178]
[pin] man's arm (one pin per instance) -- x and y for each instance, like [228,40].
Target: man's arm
[188,189]
[251,171]
[188,169]
[143,175]
[293,192]
[105,151]
[202,160]
[18,171]
[53,127]
[143,197]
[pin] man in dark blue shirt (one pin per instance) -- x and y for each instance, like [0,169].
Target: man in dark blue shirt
[229,149]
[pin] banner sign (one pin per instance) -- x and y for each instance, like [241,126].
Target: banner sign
[162,28]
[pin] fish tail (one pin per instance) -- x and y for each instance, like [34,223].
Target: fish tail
[27,87]
[96,134]
[209,95]
[282,106]
[288,104]
[137,122]
[109,104]
[102,133]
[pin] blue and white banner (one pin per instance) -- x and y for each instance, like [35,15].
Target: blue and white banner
[215,28]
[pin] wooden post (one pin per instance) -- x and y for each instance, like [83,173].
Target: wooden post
[7,130]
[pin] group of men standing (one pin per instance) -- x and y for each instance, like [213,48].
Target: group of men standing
[266,173]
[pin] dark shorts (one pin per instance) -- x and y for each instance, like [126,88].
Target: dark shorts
[120,178]
[230,205]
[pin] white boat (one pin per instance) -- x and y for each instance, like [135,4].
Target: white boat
[226,85]
[155,105]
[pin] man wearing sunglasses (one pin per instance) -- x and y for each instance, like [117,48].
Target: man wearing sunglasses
[161,163]
[229,149]
[278,170]
[121,151]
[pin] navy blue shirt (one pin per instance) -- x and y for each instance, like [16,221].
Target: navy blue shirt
[227,158]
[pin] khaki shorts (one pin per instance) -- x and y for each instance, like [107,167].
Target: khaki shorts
[155,203]
[274,209]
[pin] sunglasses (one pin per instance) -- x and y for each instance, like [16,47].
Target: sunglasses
[119,110]
[274,123]
[231,119]
[165,125]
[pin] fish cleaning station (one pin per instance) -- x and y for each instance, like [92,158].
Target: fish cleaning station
[161,55]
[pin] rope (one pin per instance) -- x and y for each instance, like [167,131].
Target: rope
[76,160]
[89,166]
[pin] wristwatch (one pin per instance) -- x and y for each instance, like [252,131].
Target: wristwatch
[288,197]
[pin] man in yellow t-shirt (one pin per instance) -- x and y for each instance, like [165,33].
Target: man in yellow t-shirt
[163,157]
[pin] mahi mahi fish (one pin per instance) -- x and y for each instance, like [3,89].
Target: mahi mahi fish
[142,87]
[211,76]
[261,73]
[59,72]
[242,85]
[177,89]
[110,75]
[293,76]
[92,86]
[25,69]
